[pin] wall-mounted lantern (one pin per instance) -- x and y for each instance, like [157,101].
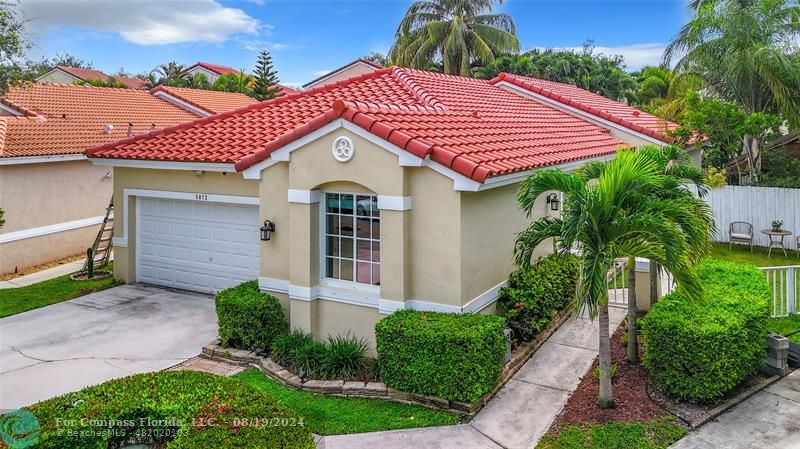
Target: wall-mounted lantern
[267,230]
[553,201]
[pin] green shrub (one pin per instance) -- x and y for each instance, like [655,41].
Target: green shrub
[308,359]
[110,415]
[700,350]
[284,346]
[451,356]
[534,296]
[249,318]
[345,357]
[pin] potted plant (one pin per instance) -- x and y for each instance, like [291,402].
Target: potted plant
[776,225]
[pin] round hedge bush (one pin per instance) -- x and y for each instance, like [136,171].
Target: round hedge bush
[179,409]
[249,318]
[700,350]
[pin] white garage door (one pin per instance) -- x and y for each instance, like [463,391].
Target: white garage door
[196,245]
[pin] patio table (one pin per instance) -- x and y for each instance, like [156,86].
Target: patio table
[776,239]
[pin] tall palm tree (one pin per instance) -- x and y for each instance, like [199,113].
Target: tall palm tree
[745,51]
[168,72]
[682,177]
[610,211]
[457,32]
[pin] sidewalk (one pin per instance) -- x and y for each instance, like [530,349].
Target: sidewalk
[521,412]
[768,420]
[43,275]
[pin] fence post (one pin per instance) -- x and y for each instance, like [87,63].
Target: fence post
[791,291]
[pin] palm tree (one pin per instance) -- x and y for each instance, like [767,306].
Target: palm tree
[457,32]
[234,82]
[610,211]
[745,51]
[673,162]
[168,72]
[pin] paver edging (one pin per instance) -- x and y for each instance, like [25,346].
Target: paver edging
[379,390]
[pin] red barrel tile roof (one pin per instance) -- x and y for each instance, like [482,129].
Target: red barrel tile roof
[471,126]
[208,100]
[91,74]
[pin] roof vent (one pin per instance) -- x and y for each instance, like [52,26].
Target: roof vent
[109,128]
[636,113]
[474,114]
[130,129]
[64,116]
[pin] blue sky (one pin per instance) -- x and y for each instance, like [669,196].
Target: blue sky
[307,38]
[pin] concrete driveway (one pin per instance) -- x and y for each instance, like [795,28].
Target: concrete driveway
[88,340]
[768,420]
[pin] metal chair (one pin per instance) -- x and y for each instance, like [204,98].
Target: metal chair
[740,232]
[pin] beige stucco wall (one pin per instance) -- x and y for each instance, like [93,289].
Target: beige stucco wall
[44,194]
[57,76]
[349,72]
[167,180]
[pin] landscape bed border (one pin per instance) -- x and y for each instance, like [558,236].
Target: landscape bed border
[378,390]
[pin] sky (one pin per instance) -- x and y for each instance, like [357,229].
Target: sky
[309,38]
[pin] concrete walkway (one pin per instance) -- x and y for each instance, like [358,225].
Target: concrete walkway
[768,420]
[43,275]
[521,412]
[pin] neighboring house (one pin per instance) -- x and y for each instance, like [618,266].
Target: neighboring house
[214,71]
[52,196]
[355,68]
[394,189]
[69,75]
[203,102]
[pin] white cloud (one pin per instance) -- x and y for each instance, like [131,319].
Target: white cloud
[258,45]
[146,22]
[636,55]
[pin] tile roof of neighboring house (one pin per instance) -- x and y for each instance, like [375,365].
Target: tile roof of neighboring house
[91,74]
[333,72]
[216,68]
[68,119]
[208,100]
[597,105]
[469,125]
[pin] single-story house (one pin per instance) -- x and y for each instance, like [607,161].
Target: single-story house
[61,74]
[393,189]
[52,196]
[354,68]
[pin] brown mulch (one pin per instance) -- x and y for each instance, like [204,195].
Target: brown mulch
[630,393]
[41,267]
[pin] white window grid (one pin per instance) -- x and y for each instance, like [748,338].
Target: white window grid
[354,255]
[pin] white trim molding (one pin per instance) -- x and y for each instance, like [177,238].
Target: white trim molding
[304,196]
[181,103]
[122,241]
[164,165]
[10,110]
[22,160]
[50,229]
[387,202]
[575,111]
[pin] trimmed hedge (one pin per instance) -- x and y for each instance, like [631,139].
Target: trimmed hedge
[535,295]
[700,350]
[197,410]
[450,356]
[249,318]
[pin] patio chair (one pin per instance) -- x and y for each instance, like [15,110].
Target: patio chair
[740,232]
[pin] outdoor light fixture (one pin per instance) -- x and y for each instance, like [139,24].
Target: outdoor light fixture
[553,201]
[267,230]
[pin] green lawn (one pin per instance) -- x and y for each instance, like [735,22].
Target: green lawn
[22,299]
[741,254]
[656,434]
[786,325]
[327,415]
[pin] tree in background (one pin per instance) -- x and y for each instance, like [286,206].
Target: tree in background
[13,45]
[625,207]
[378,58]
[234,82]
[265,78]
[110,82]
[197,81]
[2,219]
[596,72]
[170,74]
[457,33]
[745,51]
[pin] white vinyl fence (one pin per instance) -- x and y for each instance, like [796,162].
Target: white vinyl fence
[784,284]
[758,206]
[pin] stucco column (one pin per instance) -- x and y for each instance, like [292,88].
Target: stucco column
[303,260]
[394,254]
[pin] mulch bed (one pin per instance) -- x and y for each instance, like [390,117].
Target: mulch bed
[630,393]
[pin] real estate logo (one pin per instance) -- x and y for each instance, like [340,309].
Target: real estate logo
[19,429]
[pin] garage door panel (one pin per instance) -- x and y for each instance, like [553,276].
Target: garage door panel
[197,245]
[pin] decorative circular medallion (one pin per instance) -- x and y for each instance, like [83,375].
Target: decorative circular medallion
[343,149]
